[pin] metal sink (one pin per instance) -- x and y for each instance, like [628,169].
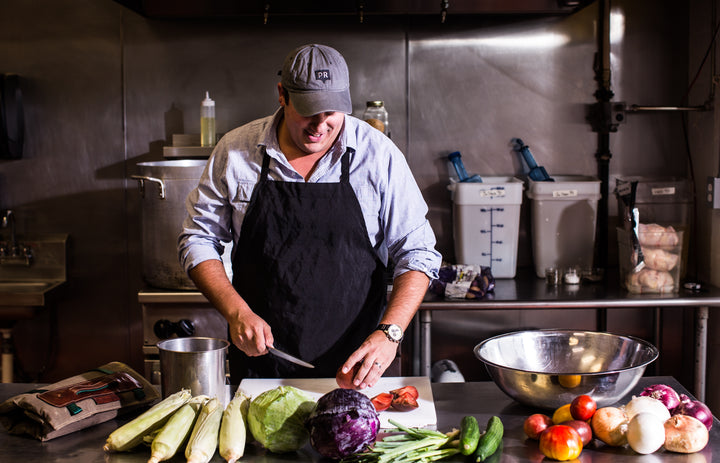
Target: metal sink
[19,299]
[23,288]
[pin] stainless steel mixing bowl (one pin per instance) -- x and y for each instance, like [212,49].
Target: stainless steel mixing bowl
[549,368]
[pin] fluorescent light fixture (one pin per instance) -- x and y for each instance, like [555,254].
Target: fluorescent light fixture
[521,41]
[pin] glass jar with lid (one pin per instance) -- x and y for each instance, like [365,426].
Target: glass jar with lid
[377,116]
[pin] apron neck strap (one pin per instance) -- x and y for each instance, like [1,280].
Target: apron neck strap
[265,166]
[344,163]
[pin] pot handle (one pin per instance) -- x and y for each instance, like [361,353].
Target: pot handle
[141,179]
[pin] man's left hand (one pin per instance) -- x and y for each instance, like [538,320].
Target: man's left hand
[372,358]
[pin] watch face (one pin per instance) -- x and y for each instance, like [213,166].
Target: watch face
[395,332]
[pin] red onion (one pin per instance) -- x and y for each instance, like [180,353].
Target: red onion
[664,394]
[696,409]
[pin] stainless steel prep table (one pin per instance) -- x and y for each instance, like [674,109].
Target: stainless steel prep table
[452,402]
[528,292]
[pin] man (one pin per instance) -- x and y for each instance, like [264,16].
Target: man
[316,203]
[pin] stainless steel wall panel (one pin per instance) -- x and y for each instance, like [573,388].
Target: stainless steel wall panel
[473,89]
[170,65]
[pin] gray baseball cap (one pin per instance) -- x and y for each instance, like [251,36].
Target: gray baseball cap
[317,78]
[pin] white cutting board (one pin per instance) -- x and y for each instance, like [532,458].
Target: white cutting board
[422,417]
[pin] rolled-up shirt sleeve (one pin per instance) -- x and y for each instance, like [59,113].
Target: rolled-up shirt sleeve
[216,207]
[409,236]
[394,208]
[207,225]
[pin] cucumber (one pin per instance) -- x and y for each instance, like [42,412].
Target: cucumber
[490,440]
[469,435]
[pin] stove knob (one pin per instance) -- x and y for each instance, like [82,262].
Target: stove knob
[164,329]
[184,328]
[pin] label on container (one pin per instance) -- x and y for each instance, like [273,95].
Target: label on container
[493,193]
[624,188]
[663,191]
[564,193]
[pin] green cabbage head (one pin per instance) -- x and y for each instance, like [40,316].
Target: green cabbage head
[276,418]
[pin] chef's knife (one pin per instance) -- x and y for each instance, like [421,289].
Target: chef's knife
[290,358]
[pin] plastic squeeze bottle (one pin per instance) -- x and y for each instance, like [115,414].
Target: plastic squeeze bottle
[207,121]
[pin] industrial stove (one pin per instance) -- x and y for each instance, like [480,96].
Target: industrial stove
[170,313]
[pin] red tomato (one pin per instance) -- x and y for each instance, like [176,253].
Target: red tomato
[405,398]
[584,429]
[535,424]
[404,402]
[583,407]
[412,390]
[561,442]
[345,380]
[382,401]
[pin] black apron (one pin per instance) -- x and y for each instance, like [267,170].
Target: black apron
[305,264]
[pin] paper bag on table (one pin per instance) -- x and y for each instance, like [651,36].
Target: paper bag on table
[78,402]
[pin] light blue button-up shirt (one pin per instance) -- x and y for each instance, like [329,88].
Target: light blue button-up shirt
[391,202]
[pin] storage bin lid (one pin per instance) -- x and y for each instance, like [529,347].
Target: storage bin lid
[658,190]
[492,190]
[565,187]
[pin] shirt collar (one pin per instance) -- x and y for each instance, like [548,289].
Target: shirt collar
[347,138]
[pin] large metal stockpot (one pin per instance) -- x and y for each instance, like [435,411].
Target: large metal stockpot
[164,186]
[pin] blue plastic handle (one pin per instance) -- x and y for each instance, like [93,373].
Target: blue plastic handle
[456,158]
[537,173]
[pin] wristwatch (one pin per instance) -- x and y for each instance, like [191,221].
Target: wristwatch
[392,331]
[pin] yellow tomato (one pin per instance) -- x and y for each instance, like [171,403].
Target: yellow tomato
[569,381]
[562,414]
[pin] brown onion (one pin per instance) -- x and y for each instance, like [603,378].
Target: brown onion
[685,434]
[610,426]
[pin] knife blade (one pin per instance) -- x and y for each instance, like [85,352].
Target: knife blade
[290,358]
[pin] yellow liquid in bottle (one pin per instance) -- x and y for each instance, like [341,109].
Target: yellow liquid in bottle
[207,131]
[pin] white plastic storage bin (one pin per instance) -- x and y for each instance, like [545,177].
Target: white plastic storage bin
[486,223]
[563,216]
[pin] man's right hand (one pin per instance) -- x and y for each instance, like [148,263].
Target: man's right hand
[249,332]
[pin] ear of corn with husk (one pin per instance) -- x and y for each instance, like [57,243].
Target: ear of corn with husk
[233,430]
[204,438]
[131,434]
[176,431]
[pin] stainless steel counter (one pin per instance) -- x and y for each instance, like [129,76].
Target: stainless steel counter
[452,402]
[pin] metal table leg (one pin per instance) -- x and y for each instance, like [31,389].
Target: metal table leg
[701,321]
[425,342]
